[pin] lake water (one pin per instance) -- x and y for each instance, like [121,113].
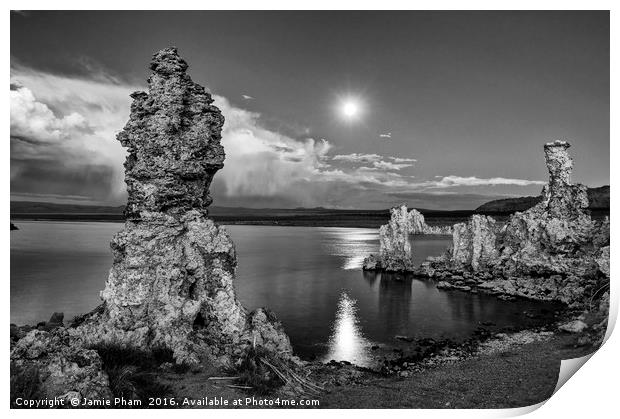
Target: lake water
[310,277]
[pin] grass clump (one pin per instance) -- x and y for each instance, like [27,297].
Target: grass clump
[262,372]
[132,372]
[255,374]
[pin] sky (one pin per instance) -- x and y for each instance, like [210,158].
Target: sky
[439,110]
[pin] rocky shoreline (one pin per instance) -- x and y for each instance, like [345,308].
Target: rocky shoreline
[416,361]
[554,251]
[410,359]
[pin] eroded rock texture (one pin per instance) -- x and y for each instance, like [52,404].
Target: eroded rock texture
[553,251]
[63,366]
[394,246]
[173,140]
[395,253]
[171,283]
[475,242]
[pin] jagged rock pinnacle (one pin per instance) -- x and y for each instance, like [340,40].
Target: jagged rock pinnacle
[167,61]
[173,139]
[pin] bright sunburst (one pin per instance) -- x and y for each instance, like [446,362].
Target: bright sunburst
[350,108]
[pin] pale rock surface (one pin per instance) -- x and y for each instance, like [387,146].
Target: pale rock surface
[395,253]
[64,365]
[475,242]
[394,245]
[575,326]
[417,223]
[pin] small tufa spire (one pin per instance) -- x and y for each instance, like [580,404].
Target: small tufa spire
[559,163]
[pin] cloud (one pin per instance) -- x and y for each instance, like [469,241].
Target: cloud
[358,158]
[403,160]
[386,165]
[378,162]
[33,121]
[452,181]
[247,97]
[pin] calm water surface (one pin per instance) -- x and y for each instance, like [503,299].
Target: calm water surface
[309,276]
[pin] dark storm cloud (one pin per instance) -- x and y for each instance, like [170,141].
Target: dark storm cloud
[60,142]
[283,149]
[52,177]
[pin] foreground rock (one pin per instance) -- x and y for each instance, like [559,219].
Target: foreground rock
[60,365]
[394,237]
[553,251]
[575,326]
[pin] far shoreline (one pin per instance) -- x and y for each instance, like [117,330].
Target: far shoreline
[346,219]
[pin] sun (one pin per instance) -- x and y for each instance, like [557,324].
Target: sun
[350,109]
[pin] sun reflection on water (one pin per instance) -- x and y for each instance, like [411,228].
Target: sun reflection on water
[352,245]
[353,262]
[347,342]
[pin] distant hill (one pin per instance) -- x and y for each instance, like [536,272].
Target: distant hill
[599,201]
[599,197]
[31,207]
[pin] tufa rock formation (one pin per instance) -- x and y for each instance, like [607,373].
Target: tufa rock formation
[561,199]
[553,251]
[171,283]
[394,245]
